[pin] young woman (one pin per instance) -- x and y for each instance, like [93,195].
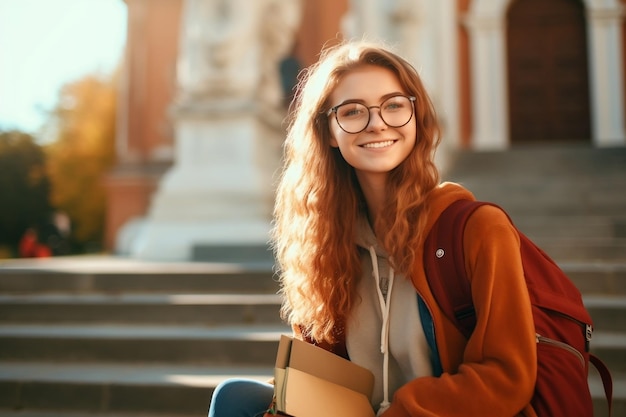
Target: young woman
[357,196]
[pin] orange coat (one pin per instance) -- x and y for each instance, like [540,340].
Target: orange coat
[493,373]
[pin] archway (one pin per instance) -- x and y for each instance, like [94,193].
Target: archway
[548,83]
[486,24]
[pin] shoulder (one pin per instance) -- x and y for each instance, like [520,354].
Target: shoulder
[488,215]
[490,225]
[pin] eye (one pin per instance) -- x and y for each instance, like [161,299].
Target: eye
[395,103]
[351,110]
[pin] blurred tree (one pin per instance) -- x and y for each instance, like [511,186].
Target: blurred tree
[83,150]
[24,187]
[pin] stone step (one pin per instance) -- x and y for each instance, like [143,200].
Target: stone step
[200,345]
[600,404]
[552,198]
[569,237]
[34,389]
[597,278]
[92,316]
[249,254]
[584,249]
[242,345]
[113,275]
[571,226]
[546,181]
[65,413]
[574,155]
[544,162]
[135,308]
[109,389]
[607,312]
[611,348]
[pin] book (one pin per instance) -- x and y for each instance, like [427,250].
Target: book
[310,381]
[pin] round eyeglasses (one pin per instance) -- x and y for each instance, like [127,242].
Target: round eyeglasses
[353,117]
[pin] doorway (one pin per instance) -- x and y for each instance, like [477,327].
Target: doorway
[548,80]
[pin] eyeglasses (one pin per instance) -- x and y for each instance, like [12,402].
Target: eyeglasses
[353,117]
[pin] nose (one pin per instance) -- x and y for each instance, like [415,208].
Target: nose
[375,120]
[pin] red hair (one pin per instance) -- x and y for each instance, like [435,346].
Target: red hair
[319,200]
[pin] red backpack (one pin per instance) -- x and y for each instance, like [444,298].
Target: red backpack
[562,323]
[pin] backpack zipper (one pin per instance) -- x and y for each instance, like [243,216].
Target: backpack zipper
[556,343]
[587,328]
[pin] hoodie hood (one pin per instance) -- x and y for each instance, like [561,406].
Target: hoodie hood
[365,237]
[438,200]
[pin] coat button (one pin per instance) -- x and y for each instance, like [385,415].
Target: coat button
[440,252]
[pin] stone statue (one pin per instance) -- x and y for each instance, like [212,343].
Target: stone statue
[280,22]
[232,48]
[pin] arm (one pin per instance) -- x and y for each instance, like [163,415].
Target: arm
[496,372]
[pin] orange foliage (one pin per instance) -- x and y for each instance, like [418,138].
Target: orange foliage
[84,150]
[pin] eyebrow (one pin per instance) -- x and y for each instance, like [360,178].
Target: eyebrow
[382,98]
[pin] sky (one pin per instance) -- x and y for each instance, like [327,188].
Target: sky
[45,44]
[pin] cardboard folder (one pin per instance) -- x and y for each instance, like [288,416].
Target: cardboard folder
[310,381]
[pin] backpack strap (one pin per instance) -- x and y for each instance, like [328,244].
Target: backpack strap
[445,271]
[607,380]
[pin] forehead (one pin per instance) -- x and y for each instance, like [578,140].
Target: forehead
[368,83]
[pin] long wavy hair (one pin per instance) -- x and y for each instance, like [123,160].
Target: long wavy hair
[319,200]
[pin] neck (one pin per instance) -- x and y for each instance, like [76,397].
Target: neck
[374,190]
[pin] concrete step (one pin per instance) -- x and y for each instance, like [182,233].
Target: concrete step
[607,312]
[584,249]
[597,278]
[109,389]
[135,308]
[537,196]
[249,254]
[65,413]
[548,163]
[169,327]
[243,345]
[574,237]
[600,405]
[568,200]
[611,348]
[114,275]
[142,390]
[571,226]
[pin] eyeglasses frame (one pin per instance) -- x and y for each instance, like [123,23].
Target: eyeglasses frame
[369,113]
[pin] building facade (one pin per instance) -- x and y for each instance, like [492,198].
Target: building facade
[501,73]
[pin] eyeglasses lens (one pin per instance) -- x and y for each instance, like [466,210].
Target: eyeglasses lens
[395,111]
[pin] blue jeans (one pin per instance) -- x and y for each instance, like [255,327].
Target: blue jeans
[238,397]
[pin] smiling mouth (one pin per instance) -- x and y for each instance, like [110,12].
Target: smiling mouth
[383,144]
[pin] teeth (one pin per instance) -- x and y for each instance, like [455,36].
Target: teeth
[378,144]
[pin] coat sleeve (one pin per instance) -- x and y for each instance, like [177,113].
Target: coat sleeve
[497,372]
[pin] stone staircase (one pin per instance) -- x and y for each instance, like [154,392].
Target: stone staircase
[113,337]
[571,201]
[121,338]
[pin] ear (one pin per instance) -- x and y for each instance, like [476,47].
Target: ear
[333,141]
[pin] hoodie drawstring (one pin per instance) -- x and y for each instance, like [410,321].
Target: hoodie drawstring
[385,305]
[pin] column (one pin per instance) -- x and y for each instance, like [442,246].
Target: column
[606,74]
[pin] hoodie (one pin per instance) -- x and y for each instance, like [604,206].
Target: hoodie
[383,332]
